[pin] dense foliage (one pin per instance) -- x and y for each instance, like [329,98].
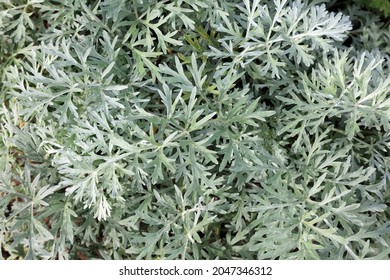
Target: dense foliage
[193,129]
[382,6]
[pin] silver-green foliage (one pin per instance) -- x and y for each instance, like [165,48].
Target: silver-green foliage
[192,129]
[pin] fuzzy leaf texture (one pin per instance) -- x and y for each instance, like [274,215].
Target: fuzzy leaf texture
[193,129]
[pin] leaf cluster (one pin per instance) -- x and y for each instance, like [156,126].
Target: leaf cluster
[193,129]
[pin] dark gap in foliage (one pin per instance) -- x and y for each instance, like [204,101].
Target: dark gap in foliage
[5,253]
[348,42]
[223,231]
[9,209]
[315,242]
[346,255]
[294,250]
[201,234]
[143,226]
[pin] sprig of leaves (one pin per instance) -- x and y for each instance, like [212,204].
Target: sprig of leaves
[193,130]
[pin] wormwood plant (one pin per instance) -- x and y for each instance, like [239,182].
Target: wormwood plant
[193,129]
[383,6]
